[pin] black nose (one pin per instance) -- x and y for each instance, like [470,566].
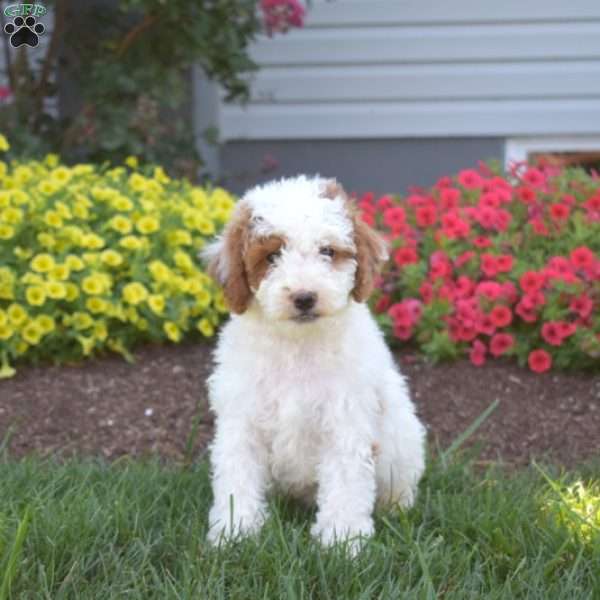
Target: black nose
[304,301]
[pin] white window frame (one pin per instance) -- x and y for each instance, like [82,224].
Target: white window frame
[519,149]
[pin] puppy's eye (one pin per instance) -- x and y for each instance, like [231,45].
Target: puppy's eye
[327,251]
[271,258]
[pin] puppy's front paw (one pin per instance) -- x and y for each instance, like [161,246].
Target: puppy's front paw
[223,528]
[354,533]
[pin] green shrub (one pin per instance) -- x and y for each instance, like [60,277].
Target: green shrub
[95,258]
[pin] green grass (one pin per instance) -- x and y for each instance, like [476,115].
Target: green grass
[136,530]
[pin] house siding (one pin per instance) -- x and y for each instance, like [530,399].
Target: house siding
[364,69]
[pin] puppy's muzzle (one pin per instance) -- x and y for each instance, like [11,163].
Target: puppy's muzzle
[304,302]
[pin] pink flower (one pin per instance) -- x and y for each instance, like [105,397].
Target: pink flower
[5,93]
[534,177]
[280,15]
[552,333]
[470,179]
[501,316]
[490,289]
[582,305]
[385,202]
[531,281]
[526,195]
[539,361]
[489,265]
[582,257]
[500,343]
[504,263]
[559,212]
[405,256]
[464,258]
[449,198]
[394,217]
[426,216]
[482,242]
[477,353]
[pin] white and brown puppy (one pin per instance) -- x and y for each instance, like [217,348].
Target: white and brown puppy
[306,394]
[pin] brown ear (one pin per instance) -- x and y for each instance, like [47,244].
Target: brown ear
[226,260]
[371,253]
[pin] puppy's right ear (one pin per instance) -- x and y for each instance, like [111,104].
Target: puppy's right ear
[225,257]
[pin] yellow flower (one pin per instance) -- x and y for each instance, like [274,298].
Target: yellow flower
[121,224]
[132,161]
[19,197]
[53,219]
[147,224]
[32,333]
[122,203]
[131,242]
[6,331]
[111,258]
[23,253]
[47,187]
[172,330]
[60,273]
[180,237]
[23,174]
[17,315]
[81,211]
[46,240]
[159,270]
[22,347]
[61,175]
[81,320]
[42,263]
[183,261]
[205,226]
[156,302]
[72,292]
[96,305]
[87,344]
[100,331]
[134,293]
[45,323]
[199,198]
[203,299]
[137,182]
[4,195]
[4,145]
[63,210]
[74,263]
[205,327]
[82,169]
[93,241]
[220,304]
[35,295]
[55,289]
[2,170]
[12,215]
[6,232]
[93,285]
[51,160]
[3,317]
[222,199]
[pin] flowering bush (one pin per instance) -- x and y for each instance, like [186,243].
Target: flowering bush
[95,258]
[491,265]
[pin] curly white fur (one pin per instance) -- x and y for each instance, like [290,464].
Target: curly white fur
[313,407]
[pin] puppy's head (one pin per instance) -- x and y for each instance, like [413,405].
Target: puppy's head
[298,250]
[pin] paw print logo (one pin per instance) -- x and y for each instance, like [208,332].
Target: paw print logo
[24,31]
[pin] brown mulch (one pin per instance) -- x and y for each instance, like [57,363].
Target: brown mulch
[107,407]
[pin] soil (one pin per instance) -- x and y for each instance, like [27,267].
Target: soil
[157,406]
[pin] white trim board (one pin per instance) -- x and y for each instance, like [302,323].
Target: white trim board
[519,149]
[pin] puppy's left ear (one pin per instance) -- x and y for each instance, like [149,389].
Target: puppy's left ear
[371,253]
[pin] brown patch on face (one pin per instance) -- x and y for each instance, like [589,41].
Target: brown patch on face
[375,450]
[255,259]
[231,261]
[371,251]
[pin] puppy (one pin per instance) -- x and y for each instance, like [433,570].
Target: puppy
[306,394]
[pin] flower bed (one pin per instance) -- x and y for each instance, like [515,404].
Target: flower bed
[95,258]
[490,265]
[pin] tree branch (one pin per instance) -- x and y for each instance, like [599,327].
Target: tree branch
[147,22]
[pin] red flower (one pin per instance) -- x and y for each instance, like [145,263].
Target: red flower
[280,15]
[539,227]
[449,198]
[490,289]
[403,332]
[582,257]
[489,265]
[559,212]
[400,314]
[394,217]
[531,282]
[539,361]
[526,195]
[368,218]
[534,177]
[382,304]
[426,291]
[477,353]
[426,216]
[500,343]
[405,256]
[385,202]
[552,333]
[504,263]
[482,242]
[464,258]
[582,305]
[470,179]
[501,316]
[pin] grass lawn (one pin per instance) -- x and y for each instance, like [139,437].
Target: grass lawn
[133,529]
